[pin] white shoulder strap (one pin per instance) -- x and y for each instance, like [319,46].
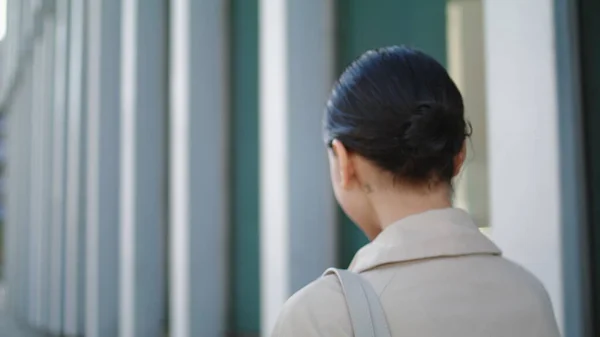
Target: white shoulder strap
[366,313]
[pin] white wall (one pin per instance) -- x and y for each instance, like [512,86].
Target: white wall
[523,139]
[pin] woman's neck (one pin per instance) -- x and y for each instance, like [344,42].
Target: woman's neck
[398,203]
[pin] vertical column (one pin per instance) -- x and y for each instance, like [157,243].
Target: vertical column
[24,224]
[143,167]
[198,171]
[10,222]
[33,200]
[8,42]
[57,232]
[13,132]
[524,164]
[296,201]
[22,110]
[578,73]
[8,255]
[36,237]
[41,173]
[15,219]
[47,172]
[467,67]
[102,281]
[12,237]
[10,146]
[74,305]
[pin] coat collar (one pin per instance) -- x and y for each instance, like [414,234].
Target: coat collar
[437,233]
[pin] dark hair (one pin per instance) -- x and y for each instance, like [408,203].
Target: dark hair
[398,107]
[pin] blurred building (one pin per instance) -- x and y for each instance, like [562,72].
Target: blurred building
[166,171]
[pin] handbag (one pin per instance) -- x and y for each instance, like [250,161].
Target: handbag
[366,313]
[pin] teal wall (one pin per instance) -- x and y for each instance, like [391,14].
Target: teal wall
[364,25]
[245,295]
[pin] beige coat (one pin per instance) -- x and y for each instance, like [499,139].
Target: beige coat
[436,275]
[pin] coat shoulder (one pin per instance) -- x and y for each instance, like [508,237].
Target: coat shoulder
[532,293]
[318,309]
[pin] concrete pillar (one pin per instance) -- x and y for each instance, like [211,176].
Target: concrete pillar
[11,269]
[58,187]
[35,201]
[24,190]
[297,208]
[143,167]
[21,107]
[41,166]
[198,168]
[523,138]
[74,295]
[47,174]
[104,69]
[11,205]
[466,64]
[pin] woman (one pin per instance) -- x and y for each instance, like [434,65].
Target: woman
[397,135]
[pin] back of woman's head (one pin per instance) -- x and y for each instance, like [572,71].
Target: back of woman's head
[398,108]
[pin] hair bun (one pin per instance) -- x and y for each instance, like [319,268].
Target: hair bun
[432,129]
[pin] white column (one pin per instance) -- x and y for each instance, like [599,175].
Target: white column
[297,210]
[59,118]
[523,137]
[41,173]
[24,224]
[22,107]
[11,133]
[143,168]
[74,296]
[35,201]
[17,177]
[14,176]
[102,275]
[466,64]
[47,173]
[198,168]
[10,43]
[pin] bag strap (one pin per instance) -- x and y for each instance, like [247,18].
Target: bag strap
[366,313]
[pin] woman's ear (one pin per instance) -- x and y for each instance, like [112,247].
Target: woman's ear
[459,160]
[343,163]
